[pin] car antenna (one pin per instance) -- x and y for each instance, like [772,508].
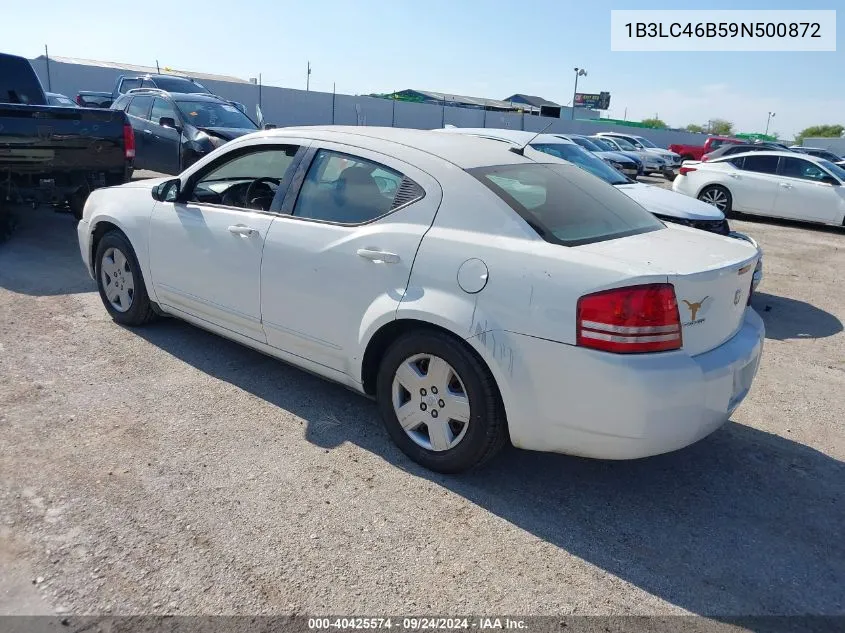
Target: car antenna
[521,150]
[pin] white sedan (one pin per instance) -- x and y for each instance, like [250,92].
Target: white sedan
[478,295]
[770,183]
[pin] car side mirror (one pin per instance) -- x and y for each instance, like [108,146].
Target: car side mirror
[170,122]
[167,191]
[270,126]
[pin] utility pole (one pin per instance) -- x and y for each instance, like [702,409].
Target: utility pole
[579,72]
[308,78]
[47,58]
[158,70]
[769,120]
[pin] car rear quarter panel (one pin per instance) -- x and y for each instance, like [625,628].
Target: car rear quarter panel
[532,286]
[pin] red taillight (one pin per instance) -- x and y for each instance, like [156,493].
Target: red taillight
[629,320]
[79,100]
[683,171]
[128,141]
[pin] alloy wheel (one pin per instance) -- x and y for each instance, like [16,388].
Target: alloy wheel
[431,402]
[716,197]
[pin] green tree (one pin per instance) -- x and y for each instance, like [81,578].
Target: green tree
[695,127]
[655,123]
[820,131]
[721,127]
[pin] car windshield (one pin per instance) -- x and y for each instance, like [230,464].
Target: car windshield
[582,158]
[603,145]
[647,143]
[586,143]
[214,114]
[621,142]
[836,170]
[565,205]
[826,155]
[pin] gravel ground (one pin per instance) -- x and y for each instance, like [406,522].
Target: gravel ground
[166,470]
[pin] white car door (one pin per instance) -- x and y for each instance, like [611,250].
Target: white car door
[754,184]
[344,252]
[206,246]
[804,193]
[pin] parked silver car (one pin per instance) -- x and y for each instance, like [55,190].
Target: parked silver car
[672,159]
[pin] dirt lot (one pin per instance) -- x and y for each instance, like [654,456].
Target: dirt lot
[168,470]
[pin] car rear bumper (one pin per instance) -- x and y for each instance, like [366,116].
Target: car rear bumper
[567,399]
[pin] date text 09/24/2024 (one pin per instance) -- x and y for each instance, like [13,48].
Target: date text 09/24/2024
[415,623]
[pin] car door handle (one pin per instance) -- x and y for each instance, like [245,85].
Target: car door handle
[148,131]
[240,229]
[378,256]
[734,176]
[786,185]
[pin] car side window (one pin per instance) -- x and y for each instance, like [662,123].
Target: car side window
[351,190]
[120,103]
[161,109]
[761,164]
[800,168]
[249,180]
[139,107]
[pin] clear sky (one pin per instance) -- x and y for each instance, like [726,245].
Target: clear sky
[486,48]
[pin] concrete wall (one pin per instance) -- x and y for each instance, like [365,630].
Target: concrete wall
[286,106]
[835,145]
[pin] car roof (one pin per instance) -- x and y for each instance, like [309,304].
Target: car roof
[464,150]
[772,152]
[516,137]
[157,76]
[176,96]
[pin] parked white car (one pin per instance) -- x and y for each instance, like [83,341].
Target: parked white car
[475,293]
[771,183]
[666,205]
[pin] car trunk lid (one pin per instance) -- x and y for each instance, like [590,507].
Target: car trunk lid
[711,275]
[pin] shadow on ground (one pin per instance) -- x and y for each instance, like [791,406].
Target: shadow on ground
[41,257]
[744,522]
[787,318]
[808,226]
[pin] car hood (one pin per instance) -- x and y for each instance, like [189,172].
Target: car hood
[660,152]
[665,202]
[227,133]
[632,155]
[617,156]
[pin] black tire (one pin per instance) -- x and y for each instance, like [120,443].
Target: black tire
[140,309]
[728,210]
[669,175]
[76,203]
[486,432]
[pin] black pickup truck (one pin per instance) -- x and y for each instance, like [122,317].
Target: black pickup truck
[56,154]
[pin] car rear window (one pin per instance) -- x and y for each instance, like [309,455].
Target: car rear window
[18,82]
[566,205]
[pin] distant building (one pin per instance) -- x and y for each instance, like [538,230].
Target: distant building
[461,101]
[536,102]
